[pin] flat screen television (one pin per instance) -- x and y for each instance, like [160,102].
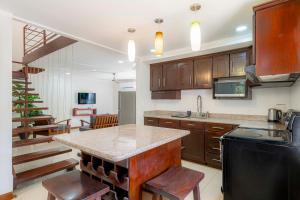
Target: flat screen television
[86,98]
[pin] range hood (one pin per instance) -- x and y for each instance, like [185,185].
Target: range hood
[278,80]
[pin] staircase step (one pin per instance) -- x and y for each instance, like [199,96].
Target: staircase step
[32,119]
[45,170]
[22,143]
[18,75]
[54,45]
[21,82]
[33,70]
[28,89]
[29,109]
[17,131]
[39,155]
[24,101]
[34,94]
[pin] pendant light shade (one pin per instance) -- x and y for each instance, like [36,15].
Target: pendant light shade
[195,30]
[131,50]
[131,47]
[195,36]
[159,43]
[159,39]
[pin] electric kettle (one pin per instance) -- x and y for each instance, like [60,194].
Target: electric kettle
[274,115]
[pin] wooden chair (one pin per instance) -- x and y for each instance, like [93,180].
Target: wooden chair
[76,186]
[99,121]
[175,184]
[63,126]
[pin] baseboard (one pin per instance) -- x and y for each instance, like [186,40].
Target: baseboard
[7,196]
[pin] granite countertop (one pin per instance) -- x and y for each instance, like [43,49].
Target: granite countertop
[243,123]
[120,142]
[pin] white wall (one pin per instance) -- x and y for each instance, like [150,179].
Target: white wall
[104,90]
[295,96]
[59,84]
[18,46]
[262,99]
[6,180]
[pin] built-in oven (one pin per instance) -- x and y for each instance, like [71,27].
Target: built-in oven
[231,88]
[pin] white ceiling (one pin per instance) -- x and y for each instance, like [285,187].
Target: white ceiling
[105,22]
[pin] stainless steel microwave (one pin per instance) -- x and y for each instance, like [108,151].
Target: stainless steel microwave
[231,88]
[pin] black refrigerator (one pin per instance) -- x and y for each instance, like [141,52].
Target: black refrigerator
[262,164]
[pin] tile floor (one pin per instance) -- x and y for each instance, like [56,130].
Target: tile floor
[33,190]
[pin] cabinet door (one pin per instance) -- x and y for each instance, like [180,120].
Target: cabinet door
[193,146]
[238,62]
[171,76]
[155,77]
[277,41]
[203,73]
[221,66]
[186,74]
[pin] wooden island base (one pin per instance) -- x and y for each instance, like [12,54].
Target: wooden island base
[127,177]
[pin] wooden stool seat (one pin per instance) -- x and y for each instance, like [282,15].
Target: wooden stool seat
[74,186]
[176,183]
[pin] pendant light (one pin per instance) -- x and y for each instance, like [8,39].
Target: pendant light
[131,47]
[159,39]
[195,33]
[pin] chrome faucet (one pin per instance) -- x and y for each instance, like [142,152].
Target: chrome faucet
[200,113]
[199,104]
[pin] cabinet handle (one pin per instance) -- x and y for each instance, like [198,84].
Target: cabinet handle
[216,149]
[150,120]
[168,122]
[191,124]
[216,160]
[215,138]
[159,82]
[217,127]
[190,80]
[164,82]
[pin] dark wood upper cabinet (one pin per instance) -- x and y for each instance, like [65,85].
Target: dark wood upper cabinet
[156,71]
[171,76]
[221,66]
[168,78]
[186,74]
[276,36]
[203,73]
[238,62]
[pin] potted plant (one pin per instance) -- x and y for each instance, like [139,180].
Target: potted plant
[18,94]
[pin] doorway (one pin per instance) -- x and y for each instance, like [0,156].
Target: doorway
[127,107]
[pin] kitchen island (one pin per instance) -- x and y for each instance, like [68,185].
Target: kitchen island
[124,157]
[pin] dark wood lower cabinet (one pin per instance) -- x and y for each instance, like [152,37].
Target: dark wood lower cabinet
[194,147]
[203,144]
[169,123]
[150,121]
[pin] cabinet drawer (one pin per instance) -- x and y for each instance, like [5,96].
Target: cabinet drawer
[213,144]
[169,123]
[150,121]
[192,125]
[213,160]
[213,147]
[219,128]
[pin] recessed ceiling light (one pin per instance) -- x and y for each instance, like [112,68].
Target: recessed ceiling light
[241,28]
[120,61]
[94,70]
[68,73]
[152,50]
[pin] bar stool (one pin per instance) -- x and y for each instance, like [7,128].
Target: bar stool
[175,184]
[76,186]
